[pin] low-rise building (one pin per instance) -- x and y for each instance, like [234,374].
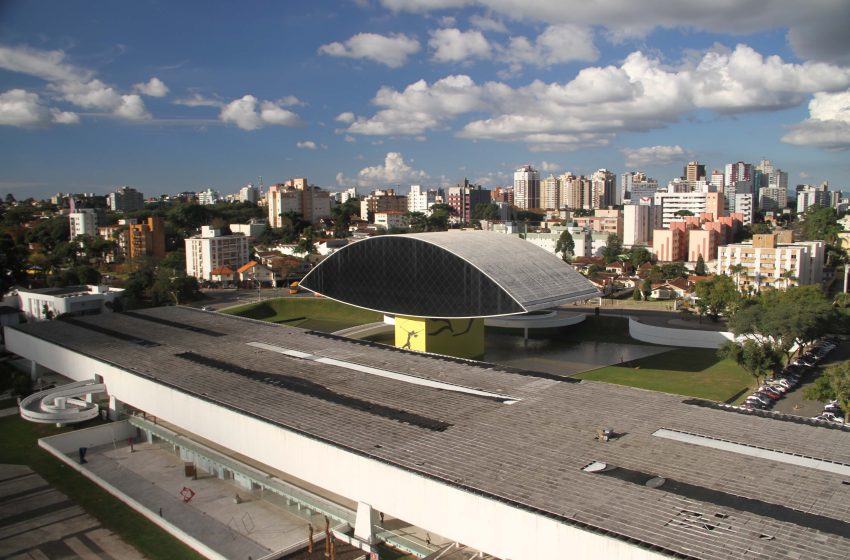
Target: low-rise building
[773,260]
[49,303]
[211,250]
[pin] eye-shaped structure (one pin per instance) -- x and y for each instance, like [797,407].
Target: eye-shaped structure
[448,275]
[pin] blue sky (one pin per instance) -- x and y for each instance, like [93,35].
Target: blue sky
[173,96]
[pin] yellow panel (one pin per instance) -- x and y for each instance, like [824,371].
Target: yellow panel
[461,338]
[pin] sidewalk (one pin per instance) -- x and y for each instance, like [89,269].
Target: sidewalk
[251,528]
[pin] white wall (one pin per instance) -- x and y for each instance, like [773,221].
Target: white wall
[678,337]
[483,523]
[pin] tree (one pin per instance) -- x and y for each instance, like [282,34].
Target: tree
[342,214]
[305,245]
[716,296]
[639,255]
[785,319]
[684,213]
[646,289]
[737,270]
[833,384]
[486,211]
[672,270]
[12,262]
[565,246]
[613,248]
[757,358]
[759,228]
[438,220]
[700,268]
[416,221]
[820,223]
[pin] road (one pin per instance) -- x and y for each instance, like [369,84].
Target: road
[217,299]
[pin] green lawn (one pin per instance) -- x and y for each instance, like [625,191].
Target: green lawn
[693,372]
[19,442]
[318,314]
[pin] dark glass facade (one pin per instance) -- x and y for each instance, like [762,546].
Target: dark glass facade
[403,276]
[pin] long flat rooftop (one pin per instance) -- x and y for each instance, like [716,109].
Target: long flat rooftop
[687,480]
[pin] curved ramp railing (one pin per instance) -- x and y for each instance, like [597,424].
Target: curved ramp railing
[60,405]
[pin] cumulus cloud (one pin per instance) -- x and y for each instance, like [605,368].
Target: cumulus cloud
[152,88]
[306,145]
[653,155]
[19,107]
[485,23]
[73,84]
[392,50]
[347,117]
[828,125]
[420,107]
[550,167]
[453,45]
[816,28]
[556,45]
[642,93]
[249,113]
[394,170]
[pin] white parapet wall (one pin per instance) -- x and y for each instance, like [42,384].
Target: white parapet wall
[691,338]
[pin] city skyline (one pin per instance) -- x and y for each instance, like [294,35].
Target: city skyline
[373,94]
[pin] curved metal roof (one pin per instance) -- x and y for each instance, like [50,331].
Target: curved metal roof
[448,275]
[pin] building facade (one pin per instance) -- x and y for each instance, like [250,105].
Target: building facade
[381,201]
[421,200]
[147,239]
[297,195]
[526,188]
[83,222]
[463,199]
[773,260]
[125,199]
[211,250]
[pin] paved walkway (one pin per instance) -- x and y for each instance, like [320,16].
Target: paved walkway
[251,528]
[39,522]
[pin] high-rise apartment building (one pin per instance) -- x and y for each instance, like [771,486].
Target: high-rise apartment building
[147,239]
[769,257]
[125,199]
[550,193]
[672,206]
[249,193]
[421,200]
[575,191]
[83,222]
[638,222]
[296,195]
[694,171]
[603,189]
[813,196]
[526,188]
[463,198]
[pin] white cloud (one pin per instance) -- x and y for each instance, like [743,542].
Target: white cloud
[47,65]
[198,100]
[306,145]
[550,167]
[828,125]
[19,107]
[131,108]
[816,28]
[653,155]
[485,23]
[347,117]
[390,50]
[349,138]
[244,113]
[394,170]
[72,84]
[556,45]
[152,88]
[453,45]
[640,94]
[420,107]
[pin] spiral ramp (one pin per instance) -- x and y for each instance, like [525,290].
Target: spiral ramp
[62,405]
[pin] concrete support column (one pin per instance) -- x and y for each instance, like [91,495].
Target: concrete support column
[33,370]
[367,518]
[116,408]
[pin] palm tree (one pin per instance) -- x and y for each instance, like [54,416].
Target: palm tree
[788,276]
[737,270]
